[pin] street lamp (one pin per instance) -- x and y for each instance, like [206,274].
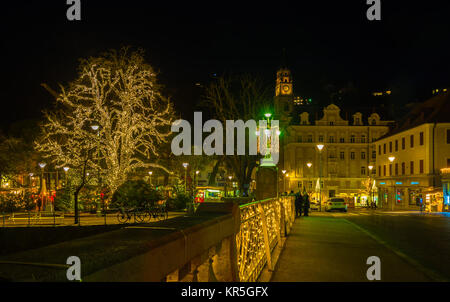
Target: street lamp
[196,178]
[42,165]
[320,147]
[65,174]
[309,173]
[31,179]
[391,159]
[185,165]
[289,184]
[150,174]
[96,127]
[284,180]
[370,185]
[231,184]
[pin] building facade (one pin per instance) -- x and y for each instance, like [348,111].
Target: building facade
[409,165]
[342,166]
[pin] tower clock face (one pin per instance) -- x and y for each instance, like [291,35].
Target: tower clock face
[286,89]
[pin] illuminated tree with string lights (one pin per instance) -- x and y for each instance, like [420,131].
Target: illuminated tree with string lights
[112,119]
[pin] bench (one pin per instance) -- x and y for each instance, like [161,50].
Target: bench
[36,217]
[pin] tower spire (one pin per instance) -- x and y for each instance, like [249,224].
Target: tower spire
[283,60]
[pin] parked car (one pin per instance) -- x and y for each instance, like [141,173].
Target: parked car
[337,204]
[314,206]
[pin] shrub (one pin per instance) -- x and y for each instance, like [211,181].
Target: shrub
[179,202]
[63,200]
[134,193]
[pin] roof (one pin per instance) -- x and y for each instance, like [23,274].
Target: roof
[434,110]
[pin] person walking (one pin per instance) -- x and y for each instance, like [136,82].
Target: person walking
[306,204]
[298,204]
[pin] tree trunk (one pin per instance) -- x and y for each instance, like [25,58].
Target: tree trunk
[75,195]
[212,177]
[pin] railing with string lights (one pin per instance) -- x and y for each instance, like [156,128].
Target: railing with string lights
[233,243]
[262,226]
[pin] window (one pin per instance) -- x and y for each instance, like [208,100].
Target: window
[342,140]
[396,169]
[342,155]
[421,139]
[403,168]
[331,139]
[357,121]
[363,170]
[363,155]
[403,143]
[379,150]
[448,162]
[379,170]
[396,145]
[352,155]
[411,167]
[412,141]
[384,148]
[390,147]
[384,170]
[321,138]
[421,166]
[309,138]
[374,154]
[352,138]
[363,139]
[299,139]
[390,169]
[331,123]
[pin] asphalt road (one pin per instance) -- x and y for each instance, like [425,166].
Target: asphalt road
[335,246]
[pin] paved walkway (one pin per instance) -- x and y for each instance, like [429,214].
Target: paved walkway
[326,249]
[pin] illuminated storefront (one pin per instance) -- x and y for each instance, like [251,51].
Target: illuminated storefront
[445,176]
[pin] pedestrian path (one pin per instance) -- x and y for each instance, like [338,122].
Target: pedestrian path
[327,249]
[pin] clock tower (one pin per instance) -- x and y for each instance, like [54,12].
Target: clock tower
[284,96]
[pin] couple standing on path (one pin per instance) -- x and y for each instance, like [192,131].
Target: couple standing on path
[301,203]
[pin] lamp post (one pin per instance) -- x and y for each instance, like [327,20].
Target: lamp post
[231,184]
[391,159]
[96,127]
[370,186]
[284,180]
[196,178]
[185,165]
[65,175]
[42,166]
[309,173]
[289,184]
[320,147]
[31,179]
[150,176]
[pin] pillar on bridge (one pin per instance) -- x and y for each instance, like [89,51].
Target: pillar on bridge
[266,182]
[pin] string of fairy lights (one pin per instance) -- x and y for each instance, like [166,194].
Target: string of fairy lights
[250,240]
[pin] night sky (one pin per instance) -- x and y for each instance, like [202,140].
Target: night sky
[328,43]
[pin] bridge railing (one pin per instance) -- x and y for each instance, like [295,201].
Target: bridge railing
[262,226]
[236,244]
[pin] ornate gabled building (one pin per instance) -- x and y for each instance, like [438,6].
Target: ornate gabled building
[345,158]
